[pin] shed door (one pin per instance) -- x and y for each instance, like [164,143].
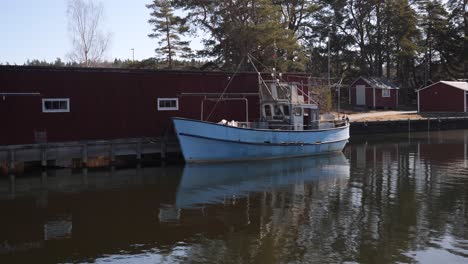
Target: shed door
[360,94]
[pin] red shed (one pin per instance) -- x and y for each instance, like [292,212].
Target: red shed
[443,96]
[373,92]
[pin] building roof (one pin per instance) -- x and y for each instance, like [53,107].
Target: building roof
[378,82]
[18,68]
[459,85]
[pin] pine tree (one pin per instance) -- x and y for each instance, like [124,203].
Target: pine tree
[168,29]
[459,30]
[434,22]
[238,28]
[407,36]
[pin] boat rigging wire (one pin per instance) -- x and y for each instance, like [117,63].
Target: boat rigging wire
[250,57]
[225,89]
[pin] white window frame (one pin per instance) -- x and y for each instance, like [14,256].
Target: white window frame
[386,93]
[44,110]
[168,108]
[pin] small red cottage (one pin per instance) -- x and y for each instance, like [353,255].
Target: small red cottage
[443,96]
[373,92]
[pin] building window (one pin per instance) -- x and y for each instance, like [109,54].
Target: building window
[56,105]
[168,104]
[385,93]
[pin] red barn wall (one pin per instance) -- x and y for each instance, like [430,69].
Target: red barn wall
[110,104]
[389,102]
[441,98]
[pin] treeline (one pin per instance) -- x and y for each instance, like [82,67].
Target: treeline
[150,63]
[410,41]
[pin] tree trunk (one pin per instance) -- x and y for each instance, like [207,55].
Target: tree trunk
[465,40]
[379,40]
[169,47]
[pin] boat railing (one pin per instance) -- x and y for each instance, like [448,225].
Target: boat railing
[319,124]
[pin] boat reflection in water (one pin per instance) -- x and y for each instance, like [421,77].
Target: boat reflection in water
[203,184]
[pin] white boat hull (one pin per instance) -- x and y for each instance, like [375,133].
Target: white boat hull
[208,142]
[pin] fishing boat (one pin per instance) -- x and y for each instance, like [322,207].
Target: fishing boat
[289,126]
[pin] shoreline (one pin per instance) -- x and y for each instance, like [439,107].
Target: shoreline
[419,124]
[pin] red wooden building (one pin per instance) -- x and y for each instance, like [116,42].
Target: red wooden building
[443,96]
[72,104]
[372,92]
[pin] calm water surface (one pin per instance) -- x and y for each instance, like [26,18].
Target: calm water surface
[387,199]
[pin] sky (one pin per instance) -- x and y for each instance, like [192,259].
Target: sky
[37,29]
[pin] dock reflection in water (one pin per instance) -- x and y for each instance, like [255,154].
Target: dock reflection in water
[389,199]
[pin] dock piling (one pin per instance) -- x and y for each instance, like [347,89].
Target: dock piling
[138,150]
[163,149]
[84,155]
[11,162]
[112,154]
[44,178]
[84,176]
[43,157]
[12,177]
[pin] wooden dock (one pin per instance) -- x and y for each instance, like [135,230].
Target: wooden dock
[408,125]
[89,153]
[67,154]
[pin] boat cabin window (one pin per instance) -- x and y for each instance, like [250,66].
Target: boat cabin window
[278,110]
[286,110]
[168,104]
[298,111]
[267,110]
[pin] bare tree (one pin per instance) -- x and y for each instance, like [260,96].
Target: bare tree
[89,42]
